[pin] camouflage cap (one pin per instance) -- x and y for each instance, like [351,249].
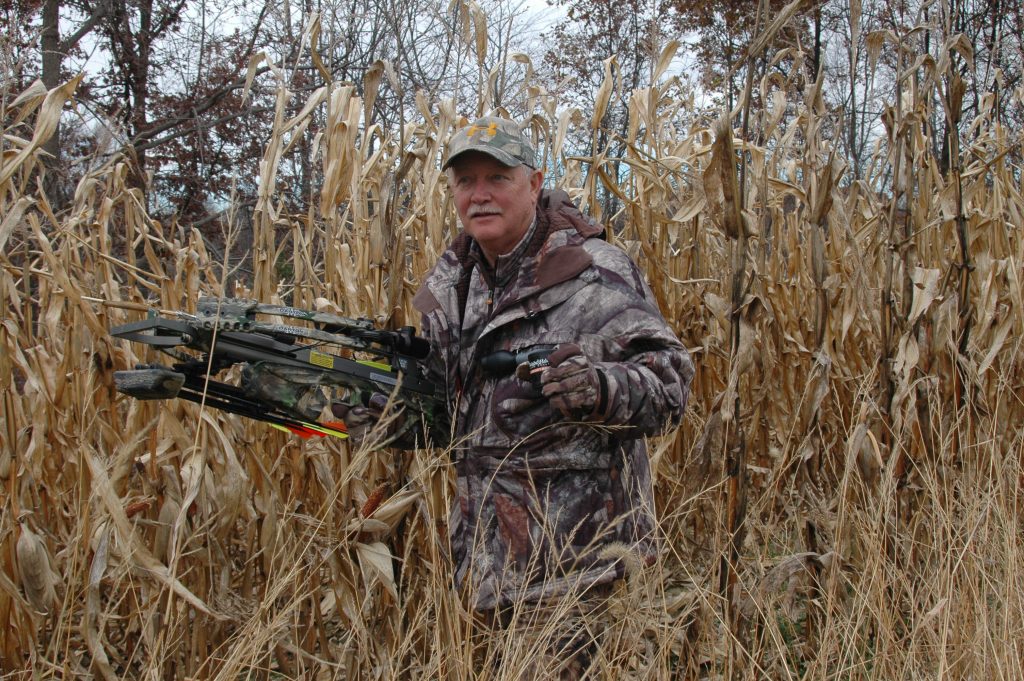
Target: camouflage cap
[497,137]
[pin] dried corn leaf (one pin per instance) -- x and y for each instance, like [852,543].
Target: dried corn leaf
[604,93]
[144,563]
[926,290]
[13,218]
[46,125]
[394,509]
[93,622]
[375,563]
[996,343]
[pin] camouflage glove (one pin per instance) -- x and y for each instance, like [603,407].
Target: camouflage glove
[360,421]
[574,385]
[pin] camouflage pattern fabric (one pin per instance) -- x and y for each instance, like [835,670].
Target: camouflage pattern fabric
[574,386]
[494,136]
[548,505]
[295,389]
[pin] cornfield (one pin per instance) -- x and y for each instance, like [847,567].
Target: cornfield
[842,500]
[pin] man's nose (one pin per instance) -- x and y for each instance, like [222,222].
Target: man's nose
[480,193]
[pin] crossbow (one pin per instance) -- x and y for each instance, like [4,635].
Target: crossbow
[288,372]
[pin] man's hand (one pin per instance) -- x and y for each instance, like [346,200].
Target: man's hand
[573,384]
[359,420]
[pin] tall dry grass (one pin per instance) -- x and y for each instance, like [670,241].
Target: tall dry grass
[842,501]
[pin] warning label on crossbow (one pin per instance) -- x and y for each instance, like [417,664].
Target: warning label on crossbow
[321,360]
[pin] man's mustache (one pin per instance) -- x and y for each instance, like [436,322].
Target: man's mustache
[483,210]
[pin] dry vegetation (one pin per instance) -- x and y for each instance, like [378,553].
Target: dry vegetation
[842,502]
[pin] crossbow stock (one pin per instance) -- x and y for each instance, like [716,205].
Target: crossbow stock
[288,372]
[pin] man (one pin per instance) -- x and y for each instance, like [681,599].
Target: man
[553,482]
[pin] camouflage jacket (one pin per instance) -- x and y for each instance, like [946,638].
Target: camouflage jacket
[545,506]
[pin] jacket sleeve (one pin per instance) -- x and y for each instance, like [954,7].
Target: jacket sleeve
[439,428]
[646,369]
[648,392]
[440,366]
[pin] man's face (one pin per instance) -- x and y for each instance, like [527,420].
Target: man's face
[495,202]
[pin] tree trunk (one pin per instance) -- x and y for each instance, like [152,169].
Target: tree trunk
[52,57]
[817,42]
[139,83]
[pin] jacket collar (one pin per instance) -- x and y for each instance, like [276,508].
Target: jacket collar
[552,254]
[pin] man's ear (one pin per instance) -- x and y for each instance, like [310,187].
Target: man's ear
[536,180]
